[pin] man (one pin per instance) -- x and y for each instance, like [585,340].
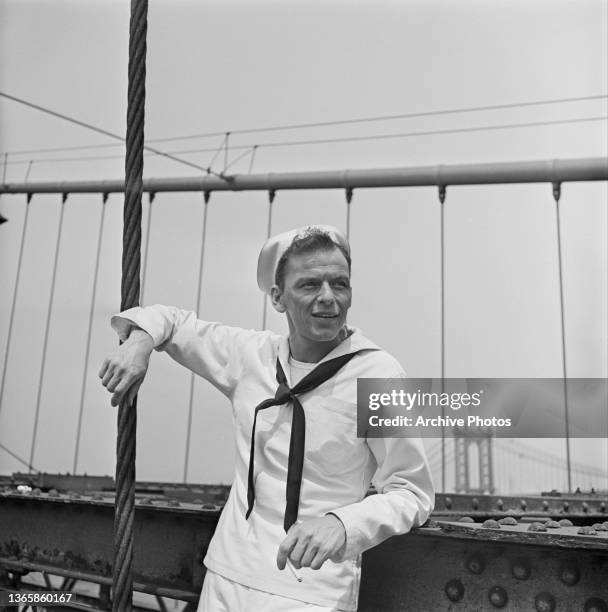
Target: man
[298,498]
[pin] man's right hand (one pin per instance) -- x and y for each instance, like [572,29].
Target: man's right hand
[123,371]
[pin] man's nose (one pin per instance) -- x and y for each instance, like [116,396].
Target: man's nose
[326,293]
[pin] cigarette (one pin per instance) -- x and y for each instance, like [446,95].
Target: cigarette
[293,571]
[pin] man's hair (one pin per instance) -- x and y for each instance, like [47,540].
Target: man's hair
[313,239]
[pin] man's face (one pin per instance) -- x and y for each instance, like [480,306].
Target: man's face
[316,295]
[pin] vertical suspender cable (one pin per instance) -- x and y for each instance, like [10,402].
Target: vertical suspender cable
[124,513]
[349,199]
[198,308]
[87,351]
[144,266]
[268,231]
[14,302]
[556,197]
[443,459]
[46,329]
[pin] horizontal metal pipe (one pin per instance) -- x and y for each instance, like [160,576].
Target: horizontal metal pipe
[547,171]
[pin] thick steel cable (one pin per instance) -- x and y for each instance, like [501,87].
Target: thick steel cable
[144,266]
[122,575]
[268,233]
[556,197]
[45,343]
[11,317]
[87,351]
[198,308]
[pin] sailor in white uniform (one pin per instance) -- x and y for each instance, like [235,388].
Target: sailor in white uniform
[298,516]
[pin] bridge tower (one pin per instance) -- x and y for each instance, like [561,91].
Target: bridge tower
[482,441]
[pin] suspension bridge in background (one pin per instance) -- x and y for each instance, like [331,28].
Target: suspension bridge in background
[486,466]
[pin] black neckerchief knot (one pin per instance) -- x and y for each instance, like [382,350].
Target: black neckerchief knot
[284,395]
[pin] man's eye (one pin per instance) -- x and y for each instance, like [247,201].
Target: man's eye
[341,284]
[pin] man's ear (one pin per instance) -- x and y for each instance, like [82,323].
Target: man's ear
[275,297]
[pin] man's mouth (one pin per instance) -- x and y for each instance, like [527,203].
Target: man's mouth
[325,315]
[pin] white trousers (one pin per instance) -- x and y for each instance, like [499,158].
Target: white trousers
[222,595]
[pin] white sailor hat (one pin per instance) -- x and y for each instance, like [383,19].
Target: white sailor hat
[274,247]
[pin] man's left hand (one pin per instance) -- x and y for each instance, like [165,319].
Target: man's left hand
[311,543]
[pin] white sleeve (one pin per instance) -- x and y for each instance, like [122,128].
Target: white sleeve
[404,500]
[209,349]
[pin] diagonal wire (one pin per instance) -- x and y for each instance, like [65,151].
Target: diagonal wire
[255,148]
[238,158]
[217,152]
[322,141]
[14,301]
[87,351]
[198,308]
[7,450]
[46,330]
[29,169]
[438,112]
[98,130]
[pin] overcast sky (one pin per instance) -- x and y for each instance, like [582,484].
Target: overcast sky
[222,66]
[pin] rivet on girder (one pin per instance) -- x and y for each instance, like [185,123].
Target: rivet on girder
[500,504]
[536,526]
[454,589]
[475,564]
[603,507]
[466,519]
[524,504]
[565,523]
[585,507]
[566,505]
[600,526]
[498,597]
[520,569]
[595,604]
[448,503]
[569,574]
[545,505]
[544,602]
[475,503]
